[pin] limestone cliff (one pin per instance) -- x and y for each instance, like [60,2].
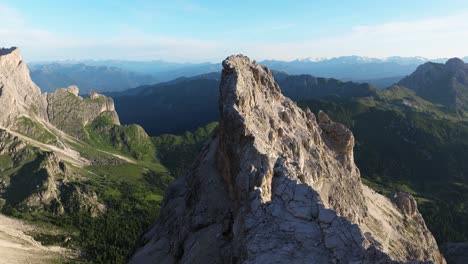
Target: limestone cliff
[18,94]
[70,112]
[64,109]
[279,185]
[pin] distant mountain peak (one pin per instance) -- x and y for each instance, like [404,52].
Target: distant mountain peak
[445,84]
[455,63]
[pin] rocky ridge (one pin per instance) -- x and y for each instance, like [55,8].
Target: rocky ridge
[279,185]
[64,109]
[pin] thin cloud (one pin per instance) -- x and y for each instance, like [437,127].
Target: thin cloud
[283,27]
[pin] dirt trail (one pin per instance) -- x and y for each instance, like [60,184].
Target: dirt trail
[66,137]
[18,248]
[67,154]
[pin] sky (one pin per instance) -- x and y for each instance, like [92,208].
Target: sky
[210,30]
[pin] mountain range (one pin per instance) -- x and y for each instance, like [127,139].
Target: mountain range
[114,75]
[88,77]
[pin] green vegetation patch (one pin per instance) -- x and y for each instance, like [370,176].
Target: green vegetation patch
[177,152]
[35,130]
[131,140]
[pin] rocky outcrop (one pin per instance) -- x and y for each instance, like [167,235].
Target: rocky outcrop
[10,144]
[406,203]
[70,112]
[79,198]
[278,185]
[18,94]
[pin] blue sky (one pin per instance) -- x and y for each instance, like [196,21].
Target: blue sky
[197,31]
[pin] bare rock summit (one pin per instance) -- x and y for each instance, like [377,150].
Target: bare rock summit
[277,184]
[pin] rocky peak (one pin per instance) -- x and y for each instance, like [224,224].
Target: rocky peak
[73,89]
[70,112]
[455,63]
[406,203]
[18,94]
[276,184]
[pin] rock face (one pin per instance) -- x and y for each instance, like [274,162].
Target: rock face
[18,94]
[278,185]
[70,112]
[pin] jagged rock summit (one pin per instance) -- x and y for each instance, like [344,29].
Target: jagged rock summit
[277,184]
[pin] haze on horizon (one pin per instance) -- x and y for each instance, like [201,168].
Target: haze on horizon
[208,30]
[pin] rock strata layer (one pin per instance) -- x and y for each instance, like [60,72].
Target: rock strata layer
[277,184]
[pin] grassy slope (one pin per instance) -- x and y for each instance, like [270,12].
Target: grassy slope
[177,152]
[132,192]
[35,130]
